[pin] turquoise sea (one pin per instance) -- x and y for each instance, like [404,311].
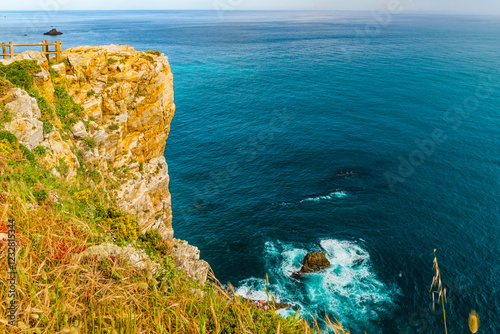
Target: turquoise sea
[272,106]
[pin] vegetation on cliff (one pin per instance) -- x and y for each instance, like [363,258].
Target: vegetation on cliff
[64,284]
[58,293]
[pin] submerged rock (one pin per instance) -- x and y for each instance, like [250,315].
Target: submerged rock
[312,262]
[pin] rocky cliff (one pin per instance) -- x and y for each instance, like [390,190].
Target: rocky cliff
[124,105]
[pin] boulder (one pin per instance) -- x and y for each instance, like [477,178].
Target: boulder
[187,257]
[79,130]
[313,262]
[53,32]
[25,113]
[129,256]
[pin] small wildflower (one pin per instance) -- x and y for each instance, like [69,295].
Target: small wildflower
[189,276]
[194,279]
[198,284]
[178,268]
[265,308]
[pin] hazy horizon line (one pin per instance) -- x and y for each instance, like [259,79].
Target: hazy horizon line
[260,10]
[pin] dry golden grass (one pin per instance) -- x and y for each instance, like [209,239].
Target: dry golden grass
[474,322]
[57,293]
[436,283]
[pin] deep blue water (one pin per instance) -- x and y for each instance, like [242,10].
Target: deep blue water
[272,105]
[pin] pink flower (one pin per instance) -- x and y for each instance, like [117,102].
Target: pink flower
[265,308]
[194,279]
[178,268]
[189,275]
[198,284]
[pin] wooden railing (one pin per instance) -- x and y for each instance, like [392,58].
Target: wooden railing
[45,49]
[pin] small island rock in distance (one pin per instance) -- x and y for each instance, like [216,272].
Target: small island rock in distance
[53,32]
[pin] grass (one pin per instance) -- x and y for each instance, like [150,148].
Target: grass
[5,115]
[20,73]
[66,109]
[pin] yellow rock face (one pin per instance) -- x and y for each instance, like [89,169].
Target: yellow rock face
[129,94]
[59,149]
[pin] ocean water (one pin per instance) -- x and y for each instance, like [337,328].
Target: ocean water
[271,106]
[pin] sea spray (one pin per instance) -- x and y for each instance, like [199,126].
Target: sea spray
[349,289]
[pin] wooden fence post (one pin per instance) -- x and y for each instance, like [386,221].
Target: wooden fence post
[44,49]
[4,50]
[11,45]
[47,49]
[58,51]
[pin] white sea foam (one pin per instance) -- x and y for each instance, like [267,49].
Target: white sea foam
[330,196]
[348,289]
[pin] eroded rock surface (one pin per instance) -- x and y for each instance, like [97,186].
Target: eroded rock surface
[188,257]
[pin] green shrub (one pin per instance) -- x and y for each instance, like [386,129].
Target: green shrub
[90,93]
[156,53]
[152,240]
[8,136]
[123,226]
[113,127]
[28,154]
[20,73]
[112,80]
[44,106]
[5,115]
[4,85]
[40,195]
[147,57]
[63,167]
[47,127]
[111,61]
[40,151]
[54,73]
[84,197]
[65,106]
[90,143]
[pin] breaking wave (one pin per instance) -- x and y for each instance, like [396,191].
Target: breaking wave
[348,289]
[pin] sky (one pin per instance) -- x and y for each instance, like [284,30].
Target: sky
[461,6]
